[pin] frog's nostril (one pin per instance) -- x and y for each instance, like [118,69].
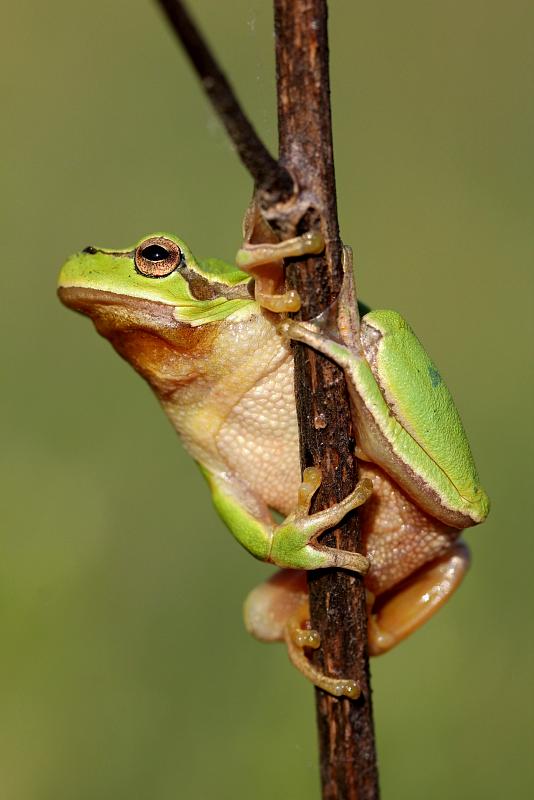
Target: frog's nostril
[90,250]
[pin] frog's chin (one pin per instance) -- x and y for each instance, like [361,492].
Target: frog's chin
[146,334]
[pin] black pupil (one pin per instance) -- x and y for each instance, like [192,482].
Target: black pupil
[155,252]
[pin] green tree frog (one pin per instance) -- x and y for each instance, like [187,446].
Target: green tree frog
[217,354]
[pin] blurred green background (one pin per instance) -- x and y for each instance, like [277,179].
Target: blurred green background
[125,669]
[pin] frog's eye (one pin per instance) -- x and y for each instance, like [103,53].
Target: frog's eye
[157,257]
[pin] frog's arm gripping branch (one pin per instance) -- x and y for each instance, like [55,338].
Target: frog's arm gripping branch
[292,543]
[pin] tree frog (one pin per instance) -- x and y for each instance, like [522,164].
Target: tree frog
[216,351]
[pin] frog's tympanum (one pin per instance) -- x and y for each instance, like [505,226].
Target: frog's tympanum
[216,351]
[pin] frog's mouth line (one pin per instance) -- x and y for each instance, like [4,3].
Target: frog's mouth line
[85,299]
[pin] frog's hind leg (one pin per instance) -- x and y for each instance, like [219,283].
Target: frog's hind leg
[297,638]
[278,610]
[397,614]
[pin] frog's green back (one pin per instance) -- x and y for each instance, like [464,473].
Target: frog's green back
[217,269]
[422,403]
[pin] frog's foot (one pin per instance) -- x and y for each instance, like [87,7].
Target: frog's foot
[315,334]
[264,262]
[278,610]
[397,614]
[298,638]
[294,540]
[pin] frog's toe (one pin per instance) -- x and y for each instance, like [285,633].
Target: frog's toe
[253,255]
[311,480]
[344,559]
[339,687]
[306,638]
[285,303]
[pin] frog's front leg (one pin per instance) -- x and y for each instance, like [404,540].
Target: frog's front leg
[292,543]
[402,610]
[265,262]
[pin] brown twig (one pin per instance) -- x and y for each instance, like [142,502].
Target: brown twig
[338,608]
[337,599]
[267,173]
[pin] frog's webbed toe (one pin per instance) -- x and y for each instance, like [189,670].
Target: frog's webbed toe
[278,610]
[398,613]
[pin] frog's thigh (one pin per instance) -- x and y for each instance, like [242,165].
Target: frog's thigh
[416,600]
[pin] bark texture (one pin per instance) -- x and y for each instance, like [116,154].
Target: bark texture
[337,598]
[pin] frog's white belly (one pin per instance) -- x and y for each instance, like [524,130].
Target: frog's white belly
[258,440]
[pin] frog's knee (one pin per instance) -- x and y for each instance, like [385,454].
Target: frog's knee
[271,605]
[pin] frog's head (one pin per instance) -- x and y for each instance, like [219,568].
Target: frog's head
[155,302]
[158,269]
